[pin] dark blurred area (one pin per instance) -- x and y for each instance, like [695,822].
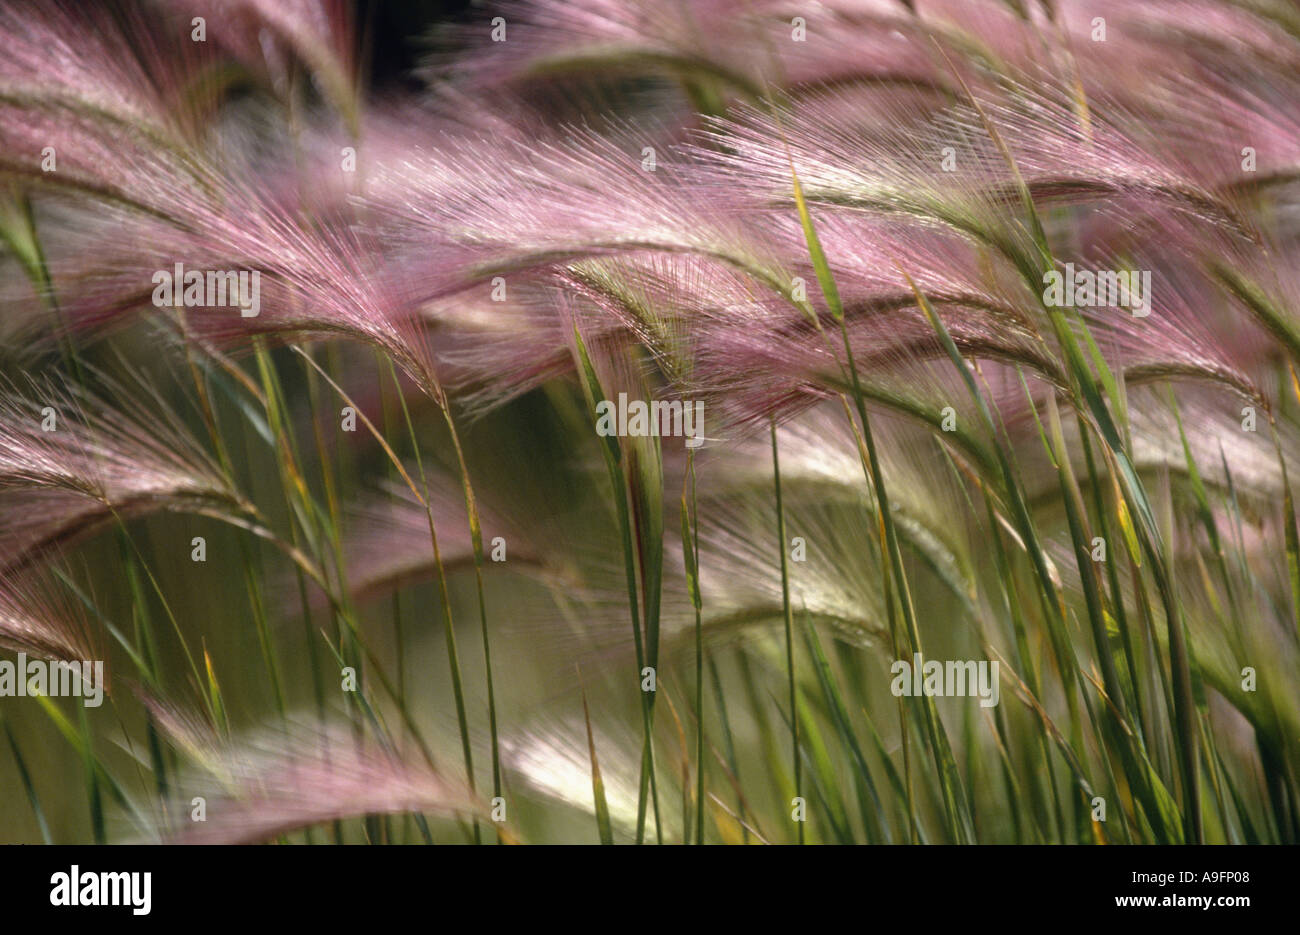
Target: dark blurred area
[397,33]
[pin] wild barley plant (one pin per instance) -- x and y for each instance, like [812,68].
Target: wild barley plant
[331,423]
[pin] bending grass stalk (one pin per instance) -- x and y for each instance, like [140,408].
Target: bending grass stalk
[1085,384]
[691,556]
[1138,721]
[869,805]
[453,653]
[1011,604]
[476,540]
[597,783]
[960,825]
[337,602]
[252,582]
[961,828]
[32,798]
[613,457]
[1120,725]
[399,640]
[789,624]
[889,543]
[891,611]
[645,496]
[1142,783]
[333,532]
[730,764]
[453,656]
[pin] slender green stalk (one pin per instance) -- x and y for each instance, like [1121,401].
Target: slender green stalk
[453,654]
[613,456]
[597,783]
[789,624]
[691,555]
